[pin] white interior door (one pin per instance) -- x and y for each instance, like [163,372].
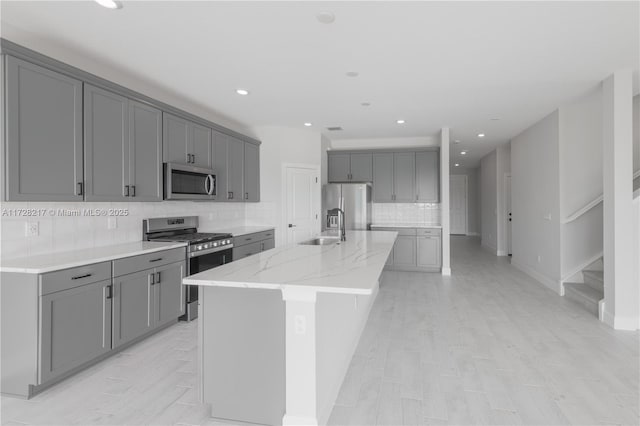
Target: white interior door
[302,203]
[458,204]
[507,189]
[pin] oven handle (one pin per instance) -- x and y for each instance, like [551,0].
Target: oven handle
[206,184]
[213,250]
[211,184]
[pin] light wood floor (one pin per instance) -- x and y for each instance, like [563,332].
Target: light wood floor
[485,346]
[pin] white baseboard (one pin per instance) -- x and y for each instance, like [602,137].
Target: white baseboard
[501,253]
[473,234]
[288,420]
[446,271]
[618,322]
[550,283]
[488,248]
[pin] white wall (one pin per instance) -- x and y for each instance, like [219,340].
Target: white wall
[636,139]
[473,199]
[536,201]
[280,146]
[488,201]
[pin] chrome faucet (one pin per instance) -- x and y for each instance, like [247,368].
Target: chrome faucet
[338,214]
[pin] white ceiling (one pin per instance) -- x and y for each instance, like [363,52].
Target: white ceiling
[434,64]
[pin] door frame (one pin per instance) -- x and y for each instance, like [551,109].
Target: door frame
[508,236]
[466,204]
[285,196]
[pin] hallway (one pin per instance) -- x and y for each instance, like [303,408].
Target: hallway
[487,345]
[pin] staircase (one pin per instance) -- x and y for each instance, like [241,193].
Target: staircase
[590,292]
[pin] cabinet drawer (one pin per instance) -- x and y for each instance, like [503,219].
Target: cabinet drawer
[74,277]
[429,232]
[246,250]
[400,231]
[242,240]
[133,264]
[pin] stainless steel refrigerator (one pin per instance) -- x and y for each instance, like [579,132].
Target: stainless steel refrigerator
[356,199]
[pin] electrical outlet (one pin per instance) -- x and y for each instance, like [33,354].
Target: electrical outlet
[31,229]
[300,325]
[112,222]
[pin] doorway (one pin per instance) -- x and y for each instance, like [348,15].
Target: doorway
[508,216]
[458,204]
[301,201]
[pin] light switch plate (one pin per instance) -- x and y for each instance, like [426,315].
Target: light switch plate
[300,325]
[112,222]
[31,229]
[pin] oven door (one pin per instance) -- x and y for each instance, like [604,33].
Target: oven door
[183,182]
[199,264]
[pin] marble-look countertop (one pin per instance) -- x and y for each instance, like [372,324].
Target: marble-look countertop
[405,225]
[43,263]
[349,267]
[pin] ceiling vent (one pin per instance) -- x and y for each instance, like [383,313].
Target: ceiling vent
[334,128]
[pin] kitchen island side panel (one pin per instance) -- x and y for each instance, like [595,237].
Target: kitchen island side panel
[242,333]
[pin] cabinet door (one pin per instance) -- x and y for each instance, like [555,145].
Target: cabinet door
[251,172]
[235,169]
[404,251]
[361,167]
[168,293]
[404,177]
[268,244]
[145,165]
[133,306]
[383,178]
[429,252]
[43,134]
[428,176]
[106,127]
[339,167]
[200,145]
[246,250]
[75,328]
[175,139]
[220,153]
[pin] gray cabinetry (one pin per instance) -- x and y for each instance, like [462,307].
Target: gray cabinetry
[416,249]
[43,120]
[251,172]
[254,243]
[427,176]
[428,251]
[132,309]
[350,167]
[383,177]
[228,163]
[186,142]
[404,251]
[122,148]
[169,296]
[404,175]
[75,328]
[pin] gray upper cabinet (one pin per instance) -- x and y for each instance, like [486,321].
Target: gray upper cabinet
[43,135]
[350,167]
[75,328]
[186,142]
[427,177]
[145,152]
[339,167]
[235,169]
[220,154]
[361,167]
[383,177]
[106,127]
[251,172]
[404,175]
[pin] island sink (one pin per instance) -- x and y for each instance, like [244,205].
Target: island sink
[321,241]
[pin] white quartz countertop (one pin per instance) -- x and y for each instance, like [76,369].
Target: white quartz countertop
[245,230]
[405,225]
[349,267]
[70,259]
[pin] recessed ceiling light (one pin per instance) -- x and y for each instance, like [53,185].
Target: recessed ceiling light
[463,152]
[353,73]
[481,135]
[243,92]
[457,165]
[365,104]
[307,124]
[400,121]
[110,4]
[326,17]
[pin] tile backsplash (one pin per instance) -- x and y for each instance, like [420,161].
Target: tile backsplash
[424,213]
[58,232]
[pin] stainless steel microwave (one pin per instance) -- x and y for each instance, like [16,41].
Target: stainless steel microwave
[182,182]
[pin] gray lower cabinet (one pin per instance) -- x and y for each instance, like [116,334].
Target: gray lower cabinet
[169,295]
[250,244]
[429,249]
[416,249]
[43,134]
[383,177]
[75,328]
[186,142]
[251,172]
[122,148]
[428,176]
[404,251]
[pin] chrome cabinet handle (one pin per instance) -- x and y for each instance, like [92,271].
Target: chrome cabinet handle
[126,190]
[230,195]
[81,276]
[158,280]
[133,190]
[246,195]
[79,189]
[156,260]
[152,278]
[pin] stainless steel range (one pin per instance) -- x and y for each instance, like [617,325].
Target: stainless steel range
[204,251]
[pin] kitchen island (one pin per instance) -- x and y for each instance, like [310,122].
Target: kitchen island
[278,329]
